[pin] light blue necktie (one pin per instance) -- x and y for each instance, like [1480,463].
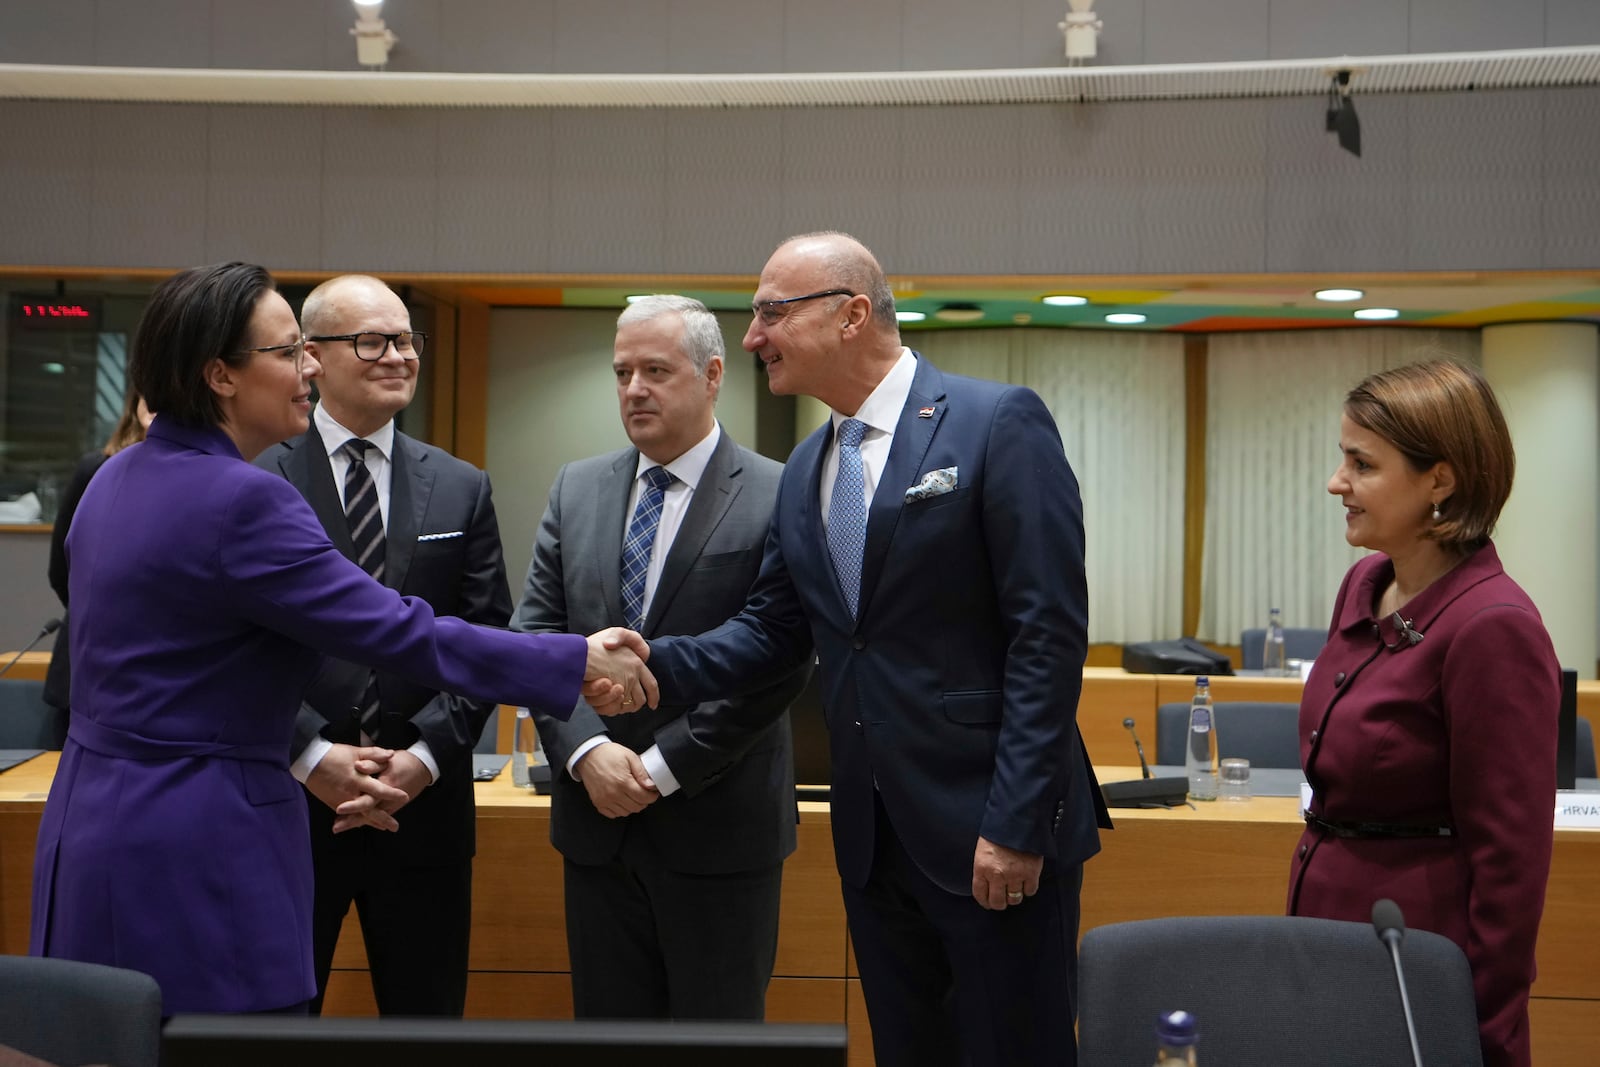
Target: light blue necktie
[847,513]
[641,539]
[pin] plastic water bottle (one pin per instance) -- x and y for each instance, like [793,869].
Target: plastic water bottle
[1200,756]
[524,743]
[1274,661]
[1177,1034]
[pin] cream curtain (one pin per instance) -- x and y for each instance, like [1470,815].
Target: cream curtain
[1273,535]
[1118,399]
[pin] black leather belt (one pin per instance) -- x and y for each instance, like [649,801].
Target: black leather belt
[1375,829]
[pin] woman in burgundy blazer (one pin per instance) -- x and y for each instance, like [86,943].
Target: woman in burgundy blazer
[1428,726]
[203,592]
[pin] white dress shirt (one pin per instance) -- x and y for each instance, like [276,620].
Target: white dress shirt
[688,469]
[379,463]
[880,412]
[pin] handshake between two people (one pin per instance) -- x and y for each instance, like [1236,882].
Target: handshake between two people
[367,785]
[615,679]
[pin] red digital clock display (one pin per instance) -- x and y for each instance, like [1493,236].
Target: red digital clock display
[54,313]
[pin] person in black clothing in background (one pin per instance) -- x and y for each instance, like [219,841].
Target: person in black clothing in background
[135,419]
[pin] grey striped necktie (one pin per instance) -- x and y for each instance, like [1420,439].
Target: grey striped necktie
[361,510]
[365,519]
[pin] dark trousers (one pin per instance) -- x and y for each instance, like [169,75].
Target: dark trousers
[416,922]
[949,983]
[649,943]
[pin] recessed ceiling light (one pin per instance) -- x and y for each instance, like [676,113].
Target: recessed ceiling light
[53,368]
[959,313]
[1339,294]
[1376,313]
[1125,318]
[1064,300]
[634,298]
[909,316]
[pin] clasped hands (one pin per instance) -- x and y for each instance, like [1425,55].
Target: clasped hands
[366,785]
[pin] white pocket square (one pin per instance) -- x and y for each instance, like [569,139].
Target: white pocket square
[441,536]
[934,483]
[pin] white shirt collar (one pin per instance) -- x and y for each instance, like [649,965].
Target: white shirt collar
[688,467]
[881,410]
[334,435]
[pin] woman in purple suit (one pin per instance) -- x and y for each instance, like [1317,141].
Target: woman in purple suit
[1428,726]
[204,592]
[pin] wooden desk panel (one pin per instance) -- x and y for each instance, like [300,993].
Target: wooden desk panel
[1179,689]
[518,902]
[1224,858]
[31,666]
[1110,695]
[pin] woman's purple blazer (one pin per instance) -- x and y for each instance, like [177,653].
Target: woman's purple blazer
[204,592]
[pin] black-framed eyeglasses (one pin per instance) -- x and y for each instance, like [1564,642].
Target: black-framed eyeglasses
[371,346]
[771,312]
[295,351]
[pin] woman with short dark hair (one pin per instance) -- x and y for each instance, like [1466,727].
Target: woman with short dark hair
[1428,725]
[203,591]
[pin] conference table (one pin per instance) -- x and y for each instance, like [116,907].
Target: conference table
[1213,859]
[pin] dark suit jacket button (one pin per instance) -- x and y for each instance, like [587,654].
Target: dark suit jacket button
[859,643]
[1302,852]
[1338,679]
[1313,737]
[858,727]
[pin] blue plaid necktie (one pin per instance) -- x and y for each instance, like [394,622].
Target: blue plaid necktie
[641,539]
[847,513]
[365,519]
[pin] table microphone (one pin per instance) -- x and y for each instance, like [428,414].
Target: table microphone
[1391,927]
[1127,724]
[48,628]
[1147,792]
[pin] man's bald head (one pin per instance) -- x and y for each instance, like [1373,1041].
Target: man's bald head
[322,311]
[853,266]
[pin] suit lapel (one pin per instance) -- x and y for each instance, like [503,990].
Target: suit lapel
[305,464]
[611,526]
[719,487]
[809,531]
[912,436]
[410,486]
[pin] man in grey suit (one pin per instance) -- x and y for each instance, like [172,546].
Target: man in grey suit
[673,823]
[423,523]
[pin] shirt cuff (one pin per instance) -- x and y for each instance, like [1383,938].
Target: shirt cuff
[583,750]
[425,754]
[655,765]
[302,767]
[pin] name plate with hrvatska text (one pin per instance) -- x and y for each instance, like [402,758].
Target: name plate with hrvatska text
[1578,809]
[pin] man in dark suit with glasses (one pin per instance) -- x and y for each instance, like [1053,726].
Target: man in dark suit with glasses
[422,522]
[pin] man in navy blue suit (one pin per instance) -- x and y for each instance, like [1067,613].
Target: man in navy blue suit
[928,540]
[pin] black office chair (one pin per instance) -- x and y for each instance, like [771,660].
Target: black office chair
[68,1013]
[1271,989]
[1584,762]
[1263,732]
[489,740]
[26,721]
[1298,643]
